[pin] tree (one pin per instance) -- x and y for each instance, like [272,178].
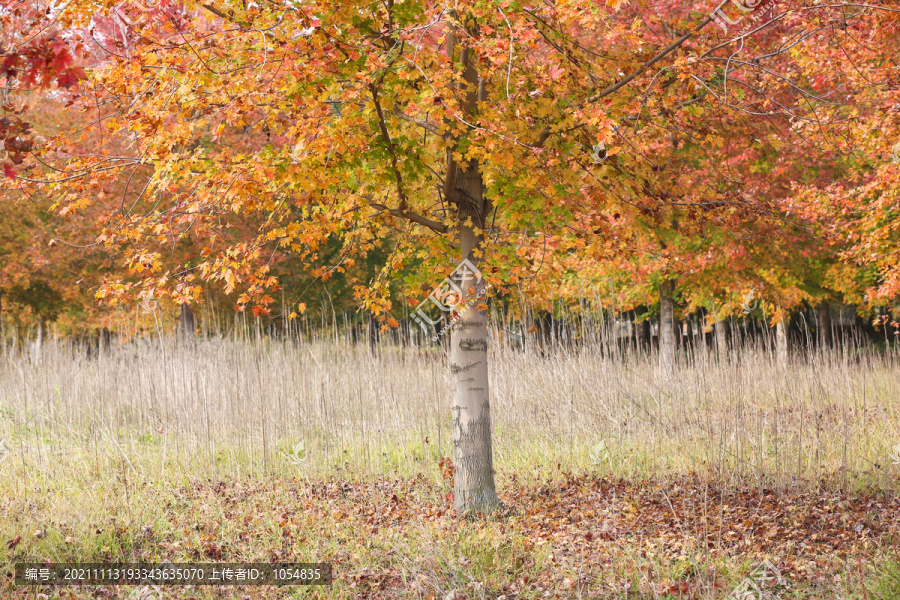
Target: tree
[455,128]
[35,56]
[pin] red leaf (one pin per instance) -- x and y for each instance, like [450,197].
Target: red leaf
[69,78]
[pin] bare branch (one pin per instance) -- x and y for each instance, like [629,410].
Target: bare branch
[412,217]
[546,132]
[662,54]
[390,146]
[423,124]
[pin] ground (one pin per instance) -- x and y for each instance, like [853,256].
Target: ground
[579,536]
[616,481]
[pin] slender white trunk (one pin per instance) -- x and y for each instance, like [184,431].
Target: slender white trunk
[667,328]
[473,483]
[39,342]
[472,453]
[721,339]
[474,487]
[781,340]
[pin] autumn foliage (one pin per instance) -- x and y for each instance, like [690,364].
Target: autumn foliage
[624,142]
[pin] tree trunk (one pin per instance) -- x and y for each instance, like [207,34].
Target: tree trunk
[473,483]
[721,335]
[39,342]
[472,453]
[240,332]
[646,336]
[372,333]
[721,338]
[781,340]
[188,323]
[824,314]
[105,339]
[667,328]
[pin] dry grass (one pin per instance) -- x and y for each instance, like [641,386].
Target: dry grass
[240,407]
[117,439]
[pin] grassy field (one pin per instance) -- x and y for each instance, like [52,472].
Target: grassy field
[616,482]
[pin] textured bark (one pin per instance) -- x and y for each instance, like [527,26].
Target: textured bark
[474,487]
[824,314]
[667,328]
[473,483]
[781,340]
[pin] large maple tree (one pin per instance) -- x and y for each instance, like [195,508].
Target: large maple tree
[498,132]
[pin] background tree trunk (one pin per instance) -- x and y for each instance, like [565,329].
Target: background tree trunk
[781,340]
[721,335]
[187,322]
[372,333]
[105,339]
[824,314]
[646,336]
[39,342]
[667,328]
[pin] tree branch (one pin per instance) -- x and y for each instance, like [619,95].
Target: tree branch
[423,124]
[401,211]
[662,54]
[546,132]
[390,145]
[412,217]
